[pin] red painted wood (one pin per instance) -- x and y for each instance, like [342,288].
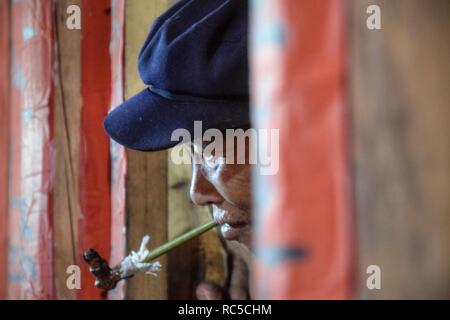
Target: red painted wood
[95,225]
[298,57]
[4,143]
[31,151]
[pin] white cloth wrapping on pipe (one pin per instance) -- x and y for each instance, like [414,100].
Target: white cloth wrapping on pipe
[135,261]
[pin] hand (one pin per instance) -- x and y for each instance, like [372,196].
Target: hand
[237,287]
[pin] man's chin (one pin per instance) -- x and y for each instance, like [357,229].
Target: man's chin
[238,234]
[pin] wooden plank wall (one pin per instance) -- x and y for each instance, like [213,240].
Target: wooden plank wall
[400,79]
[83,207]
[68,103]
[68,143]
[146,180]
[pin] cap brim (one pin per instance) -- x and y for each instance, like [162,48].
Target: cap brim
[146,121]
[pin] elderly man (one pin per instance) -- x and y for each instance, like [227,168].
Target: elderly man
[194,62]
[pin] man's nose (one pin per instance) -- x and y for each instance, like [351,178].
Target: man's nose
[202,191]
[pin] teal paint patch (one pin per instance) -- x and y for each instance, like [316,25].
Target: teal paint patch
[28,33]
[271,34]
[18,79]
[27,114]
[274,256]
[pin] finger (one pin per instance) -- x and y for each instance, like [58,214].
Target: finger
[239,280]
[209,291]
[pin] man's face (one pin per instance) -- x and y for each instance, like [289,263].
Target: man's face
[227,188]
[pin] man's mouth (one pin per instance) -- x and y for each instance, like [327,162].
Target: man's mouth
[231,227]
[233,230]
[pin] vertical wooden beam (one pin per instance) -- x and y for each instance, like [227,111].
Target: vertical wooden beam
[118,159]
[302,211]
[4,142]
[68,104]
[400,81]
[30,208]
[146,181]
[147,214]
[95,225]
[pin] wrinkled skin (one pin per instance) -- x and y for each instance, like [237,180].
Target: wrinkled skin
[226,187]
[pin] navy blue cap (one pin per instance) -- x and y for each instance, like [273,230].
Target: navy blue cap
[195,64]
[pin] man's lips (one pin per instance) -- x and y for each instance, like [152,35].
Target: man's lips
[233,231]
[231,226]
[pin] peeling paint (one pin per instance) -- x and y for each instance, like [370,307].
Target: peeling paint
[30,229]
[117,152]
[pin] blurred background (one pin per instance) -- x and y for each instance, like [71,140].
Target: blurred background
[359,90]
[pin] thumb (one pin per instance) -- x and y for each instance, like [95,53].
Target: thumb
[209,291]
